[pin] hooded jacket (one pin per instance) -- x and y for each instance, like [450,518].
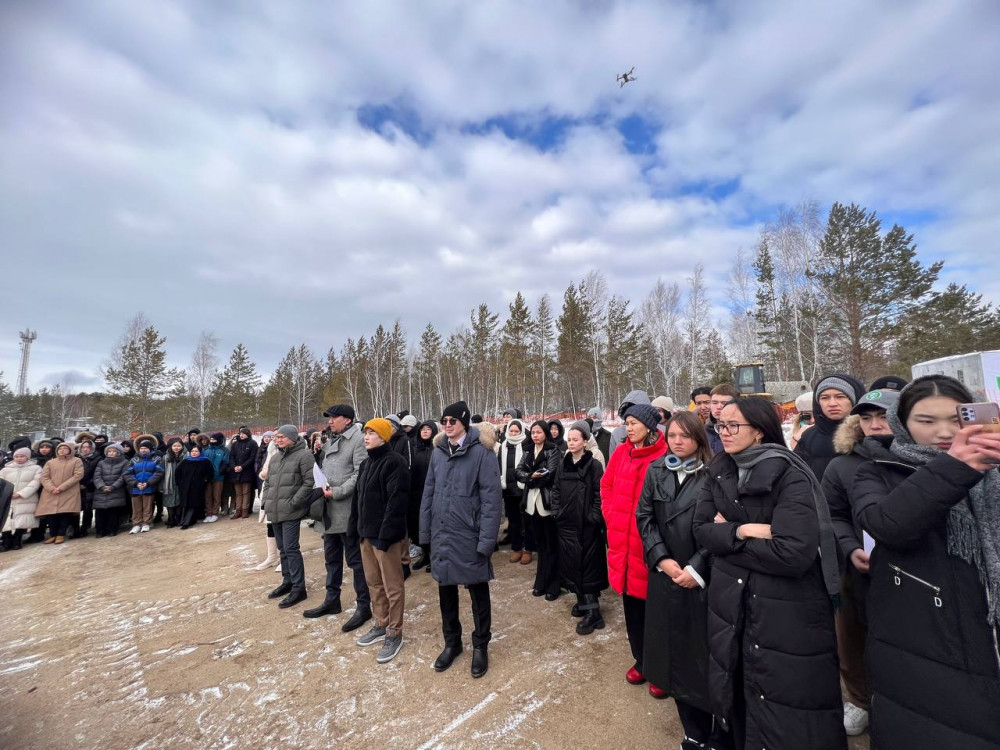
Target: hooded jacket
[289,482]
[64,472]
[110,472]
[422,452]
[26,479]
[768,608]
[816,444]
[461,508]
[217,454]
[620,488]
[931,654]
[576,507]
[145,470]
[243,453]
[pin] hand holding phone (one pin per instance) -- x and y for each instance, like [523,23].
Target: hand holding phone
[986,414]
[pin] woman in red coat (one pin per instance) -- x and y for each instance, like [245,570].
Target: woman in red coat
[620,489]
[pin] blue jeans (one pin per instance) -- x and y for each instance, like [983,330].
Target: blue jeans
[286,536]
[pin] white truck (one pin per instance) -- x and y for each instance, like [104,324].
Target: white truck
[978,371]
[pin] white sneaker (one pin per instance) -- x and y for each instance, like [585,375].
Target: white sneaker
[145,528]
[855,719]
[135,530]
[211,519]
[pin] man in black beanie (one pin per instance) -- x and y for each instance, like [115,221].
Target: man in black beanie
[463,482]
[833,398]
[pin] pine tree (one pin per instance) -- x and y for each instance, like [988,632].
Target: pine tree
[515,344]
[955,321]
[542,361]
[429,372]
[236,390]
[143,378]
[622,363]
[572,349]
[482,352]
[873,283]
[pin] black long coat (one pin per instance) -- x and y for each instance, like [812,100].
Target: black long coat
[243,453]
[768,609]
[676,642]
[575,499]
[530,463]
[192,476]
[931,655]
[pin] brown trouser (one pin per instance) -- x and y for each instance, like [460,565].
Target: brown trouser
[244,498]
[213,498]
[142,510]
[384,575]
[851,636]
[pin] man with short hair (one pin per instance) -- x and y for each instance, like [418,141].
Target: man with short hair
[460,518]
[719,398]
[343,455]
[701,397]
[286,503]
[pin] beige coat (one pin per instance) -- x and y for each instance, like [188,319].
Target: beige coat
[27,480]
[64,473]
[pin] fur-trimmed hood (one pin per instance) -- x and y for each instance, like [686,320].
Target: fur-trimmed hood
[202,440]
[82,436]
[151,438]
[487,438]
[849,435]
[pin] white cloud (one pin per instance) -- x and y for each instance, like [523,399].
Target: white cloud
[206,164]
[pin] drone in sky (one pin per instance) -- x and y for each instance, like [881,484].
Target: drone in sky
[626,77]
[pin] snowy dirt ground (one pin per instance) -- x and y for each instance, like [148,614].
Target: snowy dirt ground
[164,641]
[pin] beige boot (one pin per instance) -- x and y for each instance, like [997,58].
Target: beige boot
[272,555]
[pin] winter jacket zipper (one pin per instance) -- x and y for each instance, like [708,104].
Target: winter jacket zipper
[900,572]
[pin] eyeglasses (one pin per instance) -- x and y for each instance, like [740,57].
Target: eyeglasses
[449,421]
[732,428]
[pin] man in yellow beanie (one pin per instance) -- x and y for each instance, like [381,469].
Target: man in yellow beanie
[378,520]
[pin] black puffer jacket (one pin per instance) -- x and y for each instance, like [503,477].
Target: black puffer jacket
[243,453]
[932,657]
[422,450]
[110,472]
[676,643]
[768,607]
[816,444]
[378,509]
[575,498]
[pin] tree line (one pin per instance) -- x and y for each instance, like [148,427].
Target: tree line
[808,298]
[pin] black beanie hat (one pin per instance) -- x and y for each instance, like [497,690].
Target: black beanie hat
[888,383]
[460,411]
[645,413]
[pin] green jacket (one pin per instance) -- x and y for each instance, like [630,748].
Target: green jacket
[289,482]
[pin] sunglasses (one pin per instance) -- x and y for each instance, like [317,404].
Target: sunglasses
[449,421]
[805,417]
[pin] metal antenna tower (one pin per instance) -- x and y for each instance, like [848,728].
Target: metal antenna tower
[27,337]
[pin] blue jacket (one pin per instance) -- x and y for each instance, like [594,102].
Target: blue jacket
[148,470]
[219,458]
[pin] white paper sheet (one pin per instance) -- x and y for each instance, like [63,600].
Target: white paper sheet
[319,478]
[868,542]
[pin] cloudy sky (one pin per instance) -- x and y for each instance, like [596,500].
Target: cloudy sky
[279,172]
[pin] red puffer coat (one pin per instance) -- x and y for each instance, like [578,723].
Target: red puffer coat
[620,489]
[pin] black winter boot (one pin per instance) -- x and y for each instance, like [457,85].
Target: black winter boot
[592,618]
[576,611]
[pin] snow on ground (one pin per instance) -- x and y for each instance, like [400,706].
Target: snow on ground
[163,640]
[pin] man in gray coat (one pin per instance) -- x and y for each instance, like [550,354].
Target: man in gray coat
[342,458]
[460,518]
[286,503]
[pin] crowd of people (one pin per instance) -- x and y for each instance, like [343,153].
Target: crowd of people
[756,573]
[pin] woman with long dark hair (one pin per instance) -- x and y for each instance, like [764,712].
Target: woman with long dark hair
[423,447]
[931,501]
[174,454]
[620,488]
[773,674]
[676,644]
[536,472]
[576,506]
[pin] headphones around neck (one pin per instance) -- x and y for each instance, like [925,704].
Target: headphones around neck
[675,464]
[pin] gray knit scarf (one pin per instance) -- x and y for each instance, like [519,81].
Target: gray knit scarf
[973,525]
[750,457]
